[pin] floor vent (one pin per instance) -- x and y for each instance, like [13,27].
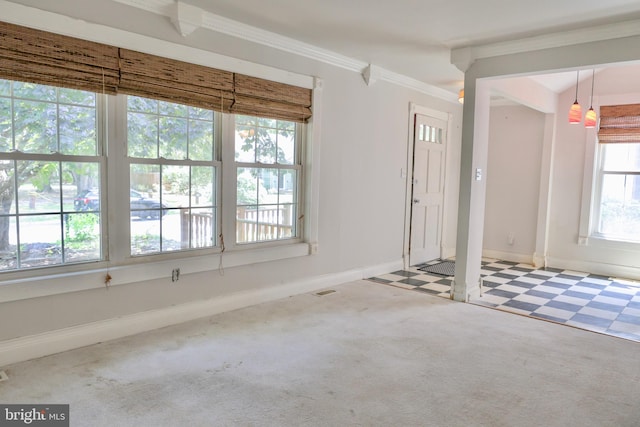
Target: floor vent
[323,293]
[3,376]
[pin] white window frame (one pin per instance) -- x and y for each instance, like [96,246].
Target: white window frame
[589,210]
[122,117]
[32,283]
[230,176]
[100,158]
[125,269]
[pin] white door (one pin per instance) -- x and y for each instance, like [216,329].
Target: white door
[428,188]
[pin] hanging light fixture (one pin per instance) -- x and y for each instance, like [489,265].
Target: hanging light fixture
[575,113]
[591,118]
[461,96]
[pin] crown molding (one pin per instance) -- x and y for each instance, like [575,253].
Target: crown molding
[468,54]
[242,31]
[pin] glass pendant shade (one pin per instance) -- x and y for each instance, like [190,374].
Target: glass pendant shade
[590,118]
[575,113]
[461,96]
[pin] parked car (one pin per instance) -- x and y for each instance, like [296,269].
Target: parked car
[87,200]
[141,206]
[144,207]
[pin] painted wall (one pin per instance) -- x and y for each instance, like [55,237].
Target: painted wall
[513,182]
[364,137]
[573,157]
[568,148]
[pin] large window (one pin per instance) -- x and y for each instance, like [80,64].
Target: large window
[53,170]
[618,201]
[134,155]
[172,175]
[267,155]
[50,168]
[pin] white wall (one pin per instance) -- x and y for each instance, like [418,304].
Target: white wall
[364,139]
[513,182]
[574,152]
[568,148]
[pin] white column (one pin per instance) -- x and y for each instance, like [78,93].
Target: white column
[473,171]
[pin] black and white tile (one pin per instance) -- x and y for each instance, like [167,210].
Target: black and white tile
[583,300]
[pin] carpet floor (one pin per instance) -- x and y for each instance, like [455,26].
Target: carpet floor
[365,355]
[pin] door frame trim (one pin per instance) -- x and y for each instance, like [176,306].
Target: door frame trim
[408,173]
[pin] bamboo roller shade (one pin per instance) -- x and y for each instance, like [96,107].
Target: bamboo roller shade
[619,123]
[41,57]
[47,58]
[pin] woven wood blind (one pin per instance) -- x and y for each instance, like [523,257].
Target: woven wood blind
[156,77]
[619,123]
[47,58]
[41,57]
[254,96]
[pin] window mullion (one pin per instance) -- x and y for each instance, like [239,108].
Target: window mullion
[228,190]
[117,179]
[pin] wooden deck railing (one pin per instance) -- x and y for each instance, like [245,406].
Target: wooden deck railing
[201,229]
[252,225]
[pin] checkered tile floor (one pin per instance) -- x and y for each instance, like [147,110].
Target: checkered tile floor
[582,300]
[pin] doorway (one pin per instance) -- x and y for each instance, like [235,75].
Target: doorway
[427,188]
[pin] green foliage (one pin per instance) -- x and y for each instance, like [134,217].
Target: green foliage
[168,130]
[250,190]
[264,140]
[81,227]
[42,174]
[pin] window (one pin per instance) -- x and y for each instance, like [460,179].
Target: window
[50,168]
[267,156]
[172,175]
[188,151]
[617,198]
[52,171]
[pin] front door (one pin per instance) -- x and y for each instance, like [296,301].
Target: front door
[427,189]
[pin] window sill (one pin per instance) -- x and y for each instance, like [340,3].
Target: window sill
[32,286]
[608,242]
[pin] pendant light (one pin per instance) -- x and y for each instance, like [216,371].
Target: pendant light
[575,113]
[591,118]
[461,96]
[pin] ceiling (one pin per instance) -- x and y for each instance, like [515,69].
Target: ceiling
[415,37]
[412,38]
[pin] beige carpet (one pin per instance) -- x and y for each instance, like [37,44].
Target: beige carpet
[366,355]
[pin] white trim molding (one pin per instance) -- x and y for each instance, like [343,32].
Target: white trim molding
[220,24]
[604,269]
[508,256]
[60,24]
[44,344]
[463,57]
[185,18]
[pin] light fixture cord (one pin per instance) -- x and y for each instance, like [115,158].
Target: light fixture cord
[577,80]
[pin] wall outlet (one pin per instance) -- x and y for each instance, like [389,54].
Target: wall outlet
[511,238]
[175,275]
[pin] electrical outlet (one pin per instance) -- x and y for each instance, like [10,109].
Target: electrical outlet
[175,275]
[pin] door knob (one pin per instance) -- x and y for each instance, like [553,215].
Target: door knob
[416,201]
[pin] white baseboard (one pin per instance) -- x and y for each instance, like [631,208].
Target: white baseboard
[34,346]
[609,270]
[447,252]
[508,256]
